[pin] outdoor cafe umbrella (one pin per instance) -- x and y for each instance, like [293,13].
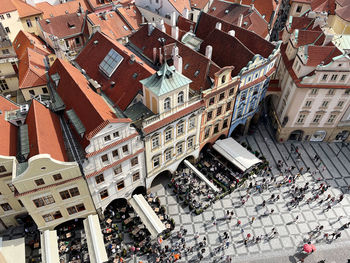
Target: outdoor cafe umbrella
[313,248]
[307,248]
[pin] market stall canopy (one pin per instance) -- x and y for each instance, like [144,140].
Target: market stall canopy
[94,238]
[49,246]
[201,176]
[147,215]
[236,153]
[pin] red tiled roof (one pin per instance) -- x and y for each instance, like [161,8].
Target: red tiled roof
[113,25]
[104,124]
[61,9]
[230,12]
[44,131]
[267,8]
[7,6]
[26,40]
[306,37]
[252,41]
[24,9]
[344,13]
[126,76]
[31,70]
[343,2]
[8,131]
[91,109]
[318,54]
[195,61]
[131,14]
[180,5]
[185,24]
[64,26]
[173,117]
[199,4]
[304,23]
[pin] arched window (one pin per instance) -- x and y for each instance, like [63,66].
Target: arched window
[223,79]
[167,104]
[180,97]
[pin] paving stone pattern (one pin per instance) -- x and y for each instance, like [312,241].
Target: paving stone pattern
[334,170]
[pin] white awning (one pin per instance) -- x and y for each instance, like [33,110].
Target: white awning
[13,251]
[201,176]
[94,238]
[49,246]
[236,153]
[147,215]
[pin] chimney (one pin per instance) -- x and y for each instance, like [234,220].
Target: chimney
[175,51]
[154,54]
[240,20]
[143,19]
[178,63]
[161,26]
[251,7]
[218,25]
[328,38]
[175,32]
[185,13]
[208,51]
[160,56]
[150,29]
[96,28]
[232,33]
[173,19]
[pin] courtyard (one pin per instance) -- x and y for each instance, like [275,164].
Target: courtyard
[332,169]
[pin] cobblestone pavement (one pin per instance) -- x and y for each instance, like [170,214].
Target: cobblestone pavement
[291,234]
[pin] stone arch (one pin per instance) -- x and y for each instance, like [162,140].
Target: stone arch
[78,222]
[139,190]
[296,135]
[114,204]
[161,178]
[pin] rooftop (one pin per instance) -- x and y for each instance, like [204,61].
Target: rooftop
[26,40]
[8,131]
[69,7]
[131,15]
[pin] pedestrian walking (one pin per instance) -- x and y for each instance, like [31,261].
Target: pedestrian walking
[252,221]
[296,218]
[239,222]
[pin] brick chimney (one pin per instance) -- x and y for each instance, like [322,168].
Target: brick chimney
[178,63]
[208,51]
[175,32]
[218,25]
[240,20]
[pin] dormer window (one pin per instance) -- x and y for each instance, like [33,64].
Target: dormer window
[324,77]
[167,104]
[334,77]
[223,79]
[180,97]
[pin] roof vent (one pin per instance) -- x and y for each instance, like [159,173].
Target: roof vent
[24,109]
[112,84]
[95,42]
[47,21]
[132,57]
[83,71]
[214,8]
[227,11]
[66,12]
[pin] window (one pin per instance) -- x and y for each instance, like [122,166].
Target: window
[69,193]
[167,104]
[223,79]
[111,62]
[179,148]
[191,123]
[45,90]
[7,29]
[180,129]
[218,111]
[2,169]
[29,23]
[299,7]
[67,44]
[317,118]
[42,201]
[301,118]
[190,142]
[57,177]
[331,92]
[2,17]
[104,194]
[211,101]
[3,84]
[343,77]
[11,187]
[48,217]
[5,51]
[120,185]
[207,133]
[209,115]
[125,149]
[135,177]
[99,178]
[313,91]
[168,155]
[77,40]
[20,203]
[180,97]
[8,15]
[156,161]
[221,96]
[155,142]
[308,103]
[331,118]
[231,92]
[243,95]
[39,182]
[347,92]
[340,103]
[334,77]
[32,92]
[168,135]
[118,169]
[104,158]
[325,103]
[115,154]
[52,216]
[115,134]
[216,128]
[134,161]
[6,207]
[324,77]
[225,124]
[107,138]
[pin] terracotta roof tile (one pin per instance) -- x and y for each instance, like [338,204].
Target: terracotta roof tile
[126,76]
[26,40]
[24,9]
[44,131]
[343,2]
[180,5]
[7,6]
[65,25]
[306,37]
[267,8]
[31,70]
[318,54]
[8,131]
[344,13]
[199,4]
[185,24]
[61,9]
[131,14]
[91,109]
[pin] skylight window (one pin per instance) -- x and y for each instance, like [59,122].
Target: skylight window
[111,62]
[126,28]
